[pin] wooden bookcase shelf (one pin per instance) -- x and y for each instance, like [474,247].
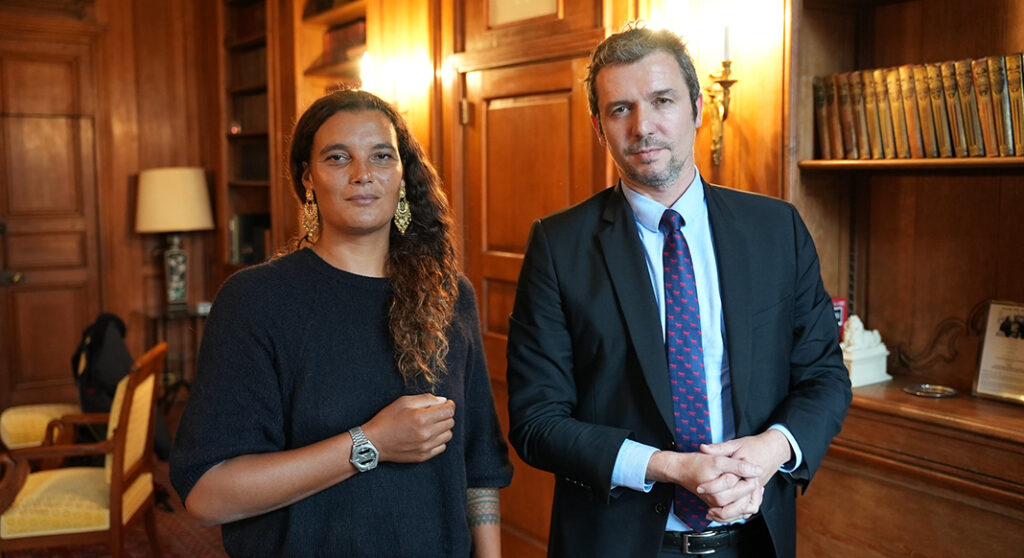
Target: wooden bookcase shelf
[319,72]
[911,165]
[341,14]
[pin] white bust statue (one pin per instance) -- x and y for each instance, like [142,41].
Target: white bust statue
[863,353]
[855,337]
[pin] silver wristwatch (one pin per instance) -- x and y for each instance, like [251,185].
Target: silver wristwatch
[364,453]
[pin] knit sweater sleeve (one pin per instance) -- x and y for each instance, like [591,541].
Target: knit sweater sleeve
[487,463]
[235,406]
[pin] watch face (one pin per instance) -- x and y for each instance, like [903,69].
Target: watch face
[364,456]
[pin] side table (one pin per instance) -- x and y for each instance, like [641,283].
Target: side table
[182,329]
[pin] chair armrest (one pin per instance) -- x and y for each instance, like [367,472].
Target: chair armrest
[62,450]
[59,431]
[12,477]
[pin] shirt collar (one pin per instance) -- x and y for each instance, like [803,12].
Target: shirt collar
[648,212]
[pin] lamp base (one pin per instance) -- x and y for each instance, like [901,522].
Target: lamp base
[176,273]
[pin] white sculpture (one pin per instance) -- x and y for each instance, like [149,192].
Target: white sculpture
[863,353]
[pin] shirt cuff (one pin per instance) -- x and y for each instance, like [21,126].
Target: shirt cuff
[798,456]
[630,468]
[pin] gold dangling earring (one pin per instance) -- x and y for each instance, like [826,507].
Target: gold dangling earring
[403,213]
[310,216]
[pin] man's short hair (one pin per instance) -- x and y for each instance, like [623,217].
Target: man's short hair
[630,45]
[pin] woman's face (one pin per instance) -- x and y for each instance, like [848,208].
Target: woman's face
[356,172]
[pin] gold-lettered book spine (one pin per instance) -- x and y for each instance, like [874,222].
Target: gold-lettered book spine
[846,117]
[899,118]
[914,140]
[884,114]
[924,111]
[1015,96]
[860,118]
[969,108]
[983,94]
[832,111]
[821,119]
[954,109]
[871,114]
[940,118]
[1000,104]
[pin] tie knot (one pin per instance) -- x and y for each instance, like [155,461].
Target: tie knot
[670,221]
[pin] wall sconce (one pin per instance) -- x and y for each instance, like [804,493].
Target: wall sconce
[718,98]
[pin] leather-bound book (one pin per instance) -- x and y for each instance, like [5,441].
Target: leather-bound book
[969,108]
[899,118]
[884,114]
[860,117]
[924,111]
[1015,95]
[913,116]
[940,118]
[846,117]
[871,114]
[954,109]
[1000,104]
[983,96]
[821,119]
[835,130]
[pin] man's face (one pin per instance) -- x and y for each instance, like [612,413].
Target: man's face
[649,126]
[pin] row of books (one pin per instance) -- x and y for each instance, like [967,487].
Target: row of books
[961,108]
[341,43]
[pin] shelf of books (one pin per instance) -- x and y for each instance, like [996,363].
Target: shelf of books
[331,38]
[957,113]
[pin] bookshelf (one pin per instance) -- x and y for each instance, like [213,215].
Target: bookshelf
[915,245]
[329,47]
[243,188]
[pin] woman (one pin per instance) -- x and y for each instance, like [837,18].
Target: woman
[342,404]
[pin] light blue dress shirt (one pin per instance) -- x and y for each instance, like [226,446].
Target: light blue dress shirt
[631,463]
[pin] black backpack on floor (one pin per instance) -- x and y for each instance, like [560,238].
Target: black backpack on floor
[100,362]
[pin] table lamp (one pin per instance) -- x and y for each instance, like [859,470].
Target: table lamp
[173,200]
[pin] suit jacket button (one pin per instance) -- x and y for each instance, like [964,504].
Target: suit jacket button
[660,509]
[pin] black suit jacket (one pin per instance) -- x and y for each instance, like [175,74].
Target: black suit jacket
[587,365]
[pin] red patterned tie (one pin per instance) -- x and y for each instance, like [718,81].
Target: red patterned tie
[685,360]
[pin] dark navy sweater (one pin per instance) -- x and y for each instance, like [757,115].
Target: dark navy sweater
[296,351]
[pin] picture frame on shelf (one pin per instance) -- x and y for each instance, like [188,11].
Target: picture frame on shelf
[1000,373]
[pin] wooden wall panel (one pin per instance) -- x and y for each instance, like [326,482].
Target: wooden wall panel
[38,372]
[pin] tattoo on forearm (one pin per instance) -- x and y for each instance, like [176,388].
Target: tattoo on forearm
[482,507]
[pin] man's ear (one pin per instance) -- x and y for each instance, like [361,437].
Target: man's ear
[700,111]
[596,123]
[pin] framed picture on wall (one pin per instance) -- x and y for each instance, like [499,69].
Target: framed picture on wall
[1000,372]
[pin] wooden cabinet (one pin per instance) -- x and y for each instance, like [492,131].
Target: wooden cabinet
[915,245]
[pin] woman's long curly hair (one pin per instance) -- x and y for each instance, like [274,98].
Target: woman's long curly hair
[420,263]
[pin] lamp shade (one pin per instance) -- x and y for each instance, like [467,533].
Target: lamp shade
[173,199]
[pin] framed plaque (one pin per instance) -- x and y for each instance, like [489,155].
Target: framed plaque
[1000,372]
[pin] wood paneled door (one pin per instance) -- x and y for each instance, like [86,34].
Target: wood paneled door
[529,152]
[49,286]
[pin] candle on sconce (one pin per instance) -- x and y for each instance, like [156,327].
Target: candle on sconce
[725,51]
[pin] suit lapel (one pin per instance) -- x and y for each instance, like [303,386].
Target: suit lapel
[624,259]
[737,285]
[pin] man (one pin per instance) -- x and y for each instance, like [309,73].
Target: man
[600,398]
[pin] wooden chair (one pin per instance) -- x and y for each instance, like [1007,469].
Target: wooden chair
[88,505]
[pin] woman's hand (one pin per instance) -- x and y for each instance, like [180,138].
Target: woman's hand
[412,429]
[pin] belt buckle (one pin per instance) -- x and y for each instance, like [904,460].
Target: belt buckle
[702,535]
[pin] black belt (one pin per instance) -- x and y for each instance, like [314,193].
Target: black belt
[705,542]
